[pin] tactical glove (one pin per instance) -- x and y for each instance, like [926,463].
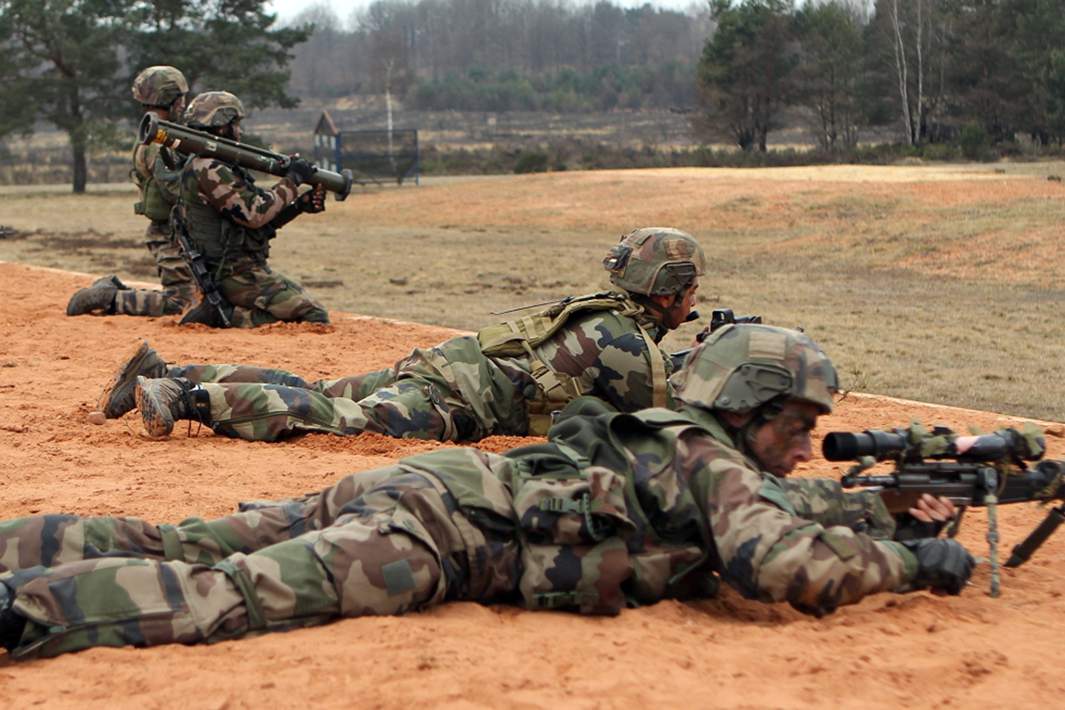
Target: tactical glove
[300,171]
[11,622]
[312,201]
[941,564]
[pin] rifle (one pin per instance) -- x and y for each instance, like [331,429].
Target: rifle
[188,140]
[719,318]
[980,470]
[198,265]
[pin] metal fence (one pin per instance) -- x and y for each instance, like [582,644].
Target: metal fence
[372,155]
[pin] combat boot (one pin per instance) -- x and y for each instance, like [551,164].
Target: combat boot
[206,314]
[164,400]
[117,397]
[100,296]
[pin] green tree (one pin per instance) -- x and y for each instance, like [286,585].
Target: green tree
[62,65]
[745,74]
[830,71]
[70,62]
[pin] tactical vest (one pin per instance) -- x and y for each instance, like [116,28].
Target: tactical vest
[219,239]
[520,337]
[155,201]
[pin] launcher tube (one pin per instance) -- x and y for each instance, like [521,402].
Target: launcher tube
[188,140]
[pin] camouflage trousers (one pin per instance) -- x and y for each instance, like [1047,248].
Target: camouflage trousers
[448,393]
[179,288]
[261,296]
[381,542]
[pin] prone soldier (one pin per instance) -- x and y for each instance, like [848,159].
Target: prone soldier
[615,509]
[507,379]
[160,90]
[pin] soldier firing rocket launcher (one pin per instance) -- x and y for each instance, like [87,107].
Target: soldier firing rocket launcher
[982,470]
[188,140]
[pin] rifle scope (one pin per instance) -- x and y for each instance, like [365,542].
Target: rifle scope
[881,445]
[188,140]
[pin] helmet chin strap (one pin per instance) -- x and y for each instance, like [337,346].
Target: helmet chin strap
[744,434]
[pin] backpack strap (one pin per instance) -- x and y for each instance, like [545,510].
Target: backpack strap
[659,382]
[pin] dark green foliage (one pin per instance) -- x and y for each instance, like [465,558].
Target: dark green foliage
[531,161]
[70,63]
[974,142]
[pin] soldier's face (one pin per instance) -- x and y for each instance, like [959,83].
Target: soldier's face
[683,304]
[784,441]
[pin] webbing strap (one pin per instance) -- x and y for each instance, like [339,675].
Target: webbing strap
[240,578]
[658,369]
[172,548]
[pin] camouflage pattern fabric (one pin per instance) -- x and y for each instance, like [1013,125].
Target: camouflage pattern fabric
[450,392]
[650,260]
[179,289]
[157,185]
[617,509]
[394,542]
[230,218]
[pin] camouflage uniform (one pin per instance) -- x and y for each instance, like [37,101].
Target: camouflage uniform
[450,392]
[160,87]
[231,221]
[507,379]
[619,509]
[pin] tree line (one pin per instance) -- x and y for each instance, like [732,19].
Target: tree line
[974,72]
[503,55]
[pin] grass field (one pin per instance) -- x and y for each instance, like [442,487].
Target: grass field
[934,283]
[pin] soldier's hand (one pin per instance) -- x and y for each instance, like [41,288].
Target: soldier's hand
[930,509]
[942,565]
[312,201]
[299,170]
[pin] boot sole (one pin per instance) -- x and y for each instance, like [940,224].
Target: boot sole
[158,421]
[123,383]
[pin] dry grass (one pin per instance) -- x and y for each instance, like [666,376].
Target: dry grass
[933,283]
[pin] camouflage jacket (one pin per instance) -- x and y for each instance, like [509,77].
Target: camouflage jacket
[634,508]
[227,214]
[603,353]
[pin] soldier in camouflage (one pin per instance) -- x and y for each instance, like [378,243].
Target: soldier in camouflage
[616,510]
[505,380]
[160,90]
[231,221]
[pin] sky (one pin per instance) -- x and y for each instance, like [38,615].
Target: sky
[344,8]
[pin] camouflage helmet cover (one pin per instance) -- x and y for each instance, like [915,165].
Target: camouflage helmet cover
[212,109]
[741,367]
[159,86]
[655,261]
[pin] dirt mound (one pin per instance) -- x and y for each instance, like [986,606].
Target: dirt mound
[889,651]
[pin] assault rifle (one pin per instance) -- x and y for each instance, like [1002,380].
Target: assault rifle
[198,265]
[190,141]
[719,318]
[981,470]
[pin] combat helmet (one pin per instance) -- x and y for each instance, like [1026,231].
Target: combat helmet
[159,86]
[739,368]
[213,109]
[655,261]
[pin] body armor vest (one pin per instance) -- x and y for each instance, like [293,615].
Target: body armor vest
[221,240]
[519,337]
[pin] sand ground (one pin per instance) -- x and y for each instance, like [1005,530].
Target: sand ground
[917,650]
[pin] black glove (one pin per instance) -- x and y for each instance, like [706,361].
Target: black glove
[941,564]
[300,171]
[12,623]
[312,201]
